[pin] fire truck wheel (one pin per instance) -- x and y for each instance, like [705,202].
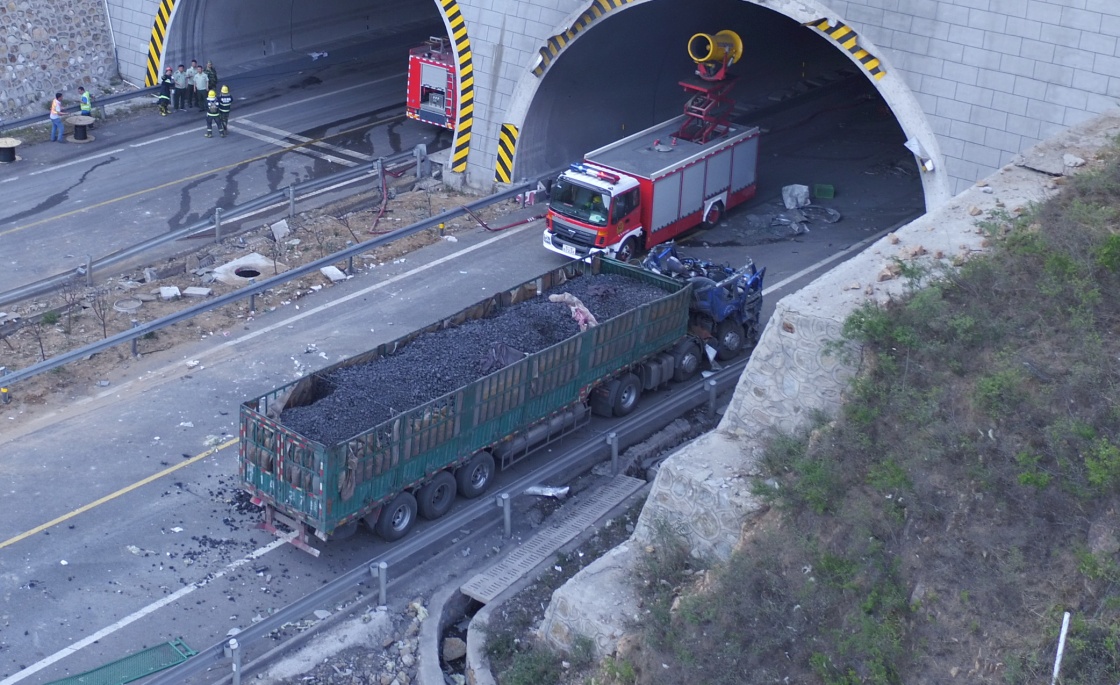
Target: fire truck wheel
[686,360]
[715,213]
[626,394]
[627,250]
[729,339]
[474,477]
[435,498]
[397,517]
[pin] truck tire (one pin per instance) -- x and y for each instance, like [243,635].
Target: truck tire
[686,360]
[435,498]
[626,395]
[715,213]
[627,250]
[397,517]
[474,477]
[730,339]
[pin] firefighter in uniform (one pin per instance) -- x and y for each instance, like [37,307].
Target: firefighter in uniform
[225,103]
[211,113]
[165,85]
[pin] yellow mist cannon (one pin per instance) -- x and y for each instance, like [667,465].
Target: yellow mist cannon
[714,54]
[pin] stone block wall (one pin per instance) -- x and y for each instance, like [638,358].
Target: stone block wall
[50,47]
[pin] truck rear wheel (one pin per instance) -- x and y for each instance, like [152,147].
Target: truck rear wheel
[686,360]
[730,339]
[474,477]
[397,517]
[715,213]
[434,499]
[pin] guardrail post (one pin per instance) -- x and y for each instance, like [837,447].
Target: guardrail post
[233,651]
[217,224]
[350,262]
[89,271]
[711,396]
[5,396]
[612,440]
[135,351]
[291,201]
[380,571]
[502,501]
[423,165]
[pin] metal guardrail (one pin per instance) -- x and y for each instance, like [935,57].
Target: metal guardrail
[376,569]
[253,290]
[97,102]
[52,283]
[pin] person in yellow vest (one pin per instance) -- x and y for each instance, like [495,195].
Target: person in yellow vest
[212,113]
[57,127]
[85,102]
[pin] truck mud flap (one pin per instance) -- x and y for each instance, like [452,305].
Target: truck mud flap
[301,539]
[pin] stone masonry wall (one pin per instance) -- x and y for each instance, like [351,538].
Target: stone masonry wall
[49,47]
[703,491]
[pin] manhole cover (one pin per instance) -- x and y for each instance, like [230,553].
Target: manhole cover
[246,272]
[127,305]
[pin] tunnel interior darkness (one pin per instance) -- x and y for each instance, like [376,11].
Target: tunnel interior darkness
[622,75]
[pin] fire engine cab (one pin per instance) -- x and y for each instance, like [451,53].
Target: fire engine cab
[431,83]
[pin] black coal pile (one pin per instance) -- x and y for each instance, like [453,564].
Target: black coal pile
[436,363]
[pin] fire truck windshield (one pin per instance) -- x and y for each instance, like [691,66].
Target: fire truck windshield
[579,202]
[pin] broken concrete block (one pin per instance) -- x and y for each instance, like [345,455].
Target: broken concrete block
[333,273]
[280,230]
[195,291]
[169,292]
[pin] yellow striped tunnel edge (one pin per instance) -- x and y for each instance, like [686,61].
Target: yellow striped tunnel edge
[847,39]
[155,45]
[507,143]
[462,144]
[555,44]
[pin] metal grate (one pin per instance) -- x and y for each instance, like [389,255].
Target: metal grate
[134,666]
[492,582]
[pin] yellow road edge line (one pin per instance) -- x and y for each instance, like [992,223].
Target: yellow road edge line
[86,507]
[137,193]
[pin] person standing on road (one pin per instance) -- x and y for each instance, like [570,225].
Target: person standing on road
[180,78]
[212,114]
[165,85]
[86,102]
[192,96]
[211,75]
[225,104]
[201,88]
[57,127]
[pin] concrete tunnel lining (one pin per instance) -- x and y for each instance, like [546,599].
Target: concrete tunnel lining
[537,104]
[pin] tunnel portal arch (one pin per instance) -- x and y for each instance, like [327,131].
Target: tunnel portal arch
[534,99]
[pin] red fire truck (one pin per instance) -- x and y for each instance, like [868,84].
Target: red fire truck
[431,83]
[652,186]
[647,189]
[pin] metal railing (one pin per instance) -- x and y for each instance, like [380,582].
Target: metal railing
[290,195]
[252,290]
[97,103]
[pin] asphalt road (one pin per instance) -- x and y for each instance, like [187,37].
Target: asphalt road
[118,530]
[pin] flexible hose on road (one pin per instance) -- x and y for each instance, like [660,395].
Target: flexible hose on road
[501,228]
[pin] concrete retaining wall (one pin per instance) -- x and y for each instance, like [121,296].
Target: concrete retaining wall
[703,490]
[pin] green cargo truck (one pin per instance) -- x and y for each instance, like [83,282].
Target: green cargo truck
[420,459]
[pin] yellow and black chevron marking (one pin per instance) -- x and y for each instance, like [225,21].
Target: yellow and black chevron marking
[155,45]
[507,143]
[846,37]
[557,43]
[466,84]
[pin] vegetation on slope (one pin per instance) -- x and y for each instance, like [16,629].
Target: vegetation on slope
[965,498]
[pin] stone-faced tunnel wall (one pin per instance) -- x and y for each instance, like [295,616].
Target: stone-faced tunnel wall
[51,47]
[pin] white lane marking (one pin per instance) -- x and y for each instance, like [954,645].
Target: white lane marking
[169,136]
[813,267]
[5,180]
[304,139]
[83,160]
[307,150]
[141,613]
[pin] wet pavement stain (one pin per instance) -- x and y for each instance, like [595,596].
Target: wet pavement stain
[57,198]
[184,217]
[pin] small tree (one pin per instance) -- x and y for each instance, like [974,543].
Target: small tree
[71,291]
[102,310]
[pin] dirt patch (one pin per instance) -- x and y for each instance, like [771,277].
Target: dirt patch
[76,315]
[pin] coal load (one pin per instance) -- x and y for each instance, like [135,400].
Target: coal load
[439,362]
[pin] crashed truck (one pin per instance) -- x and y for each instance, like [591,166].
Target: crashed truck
[419,460]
